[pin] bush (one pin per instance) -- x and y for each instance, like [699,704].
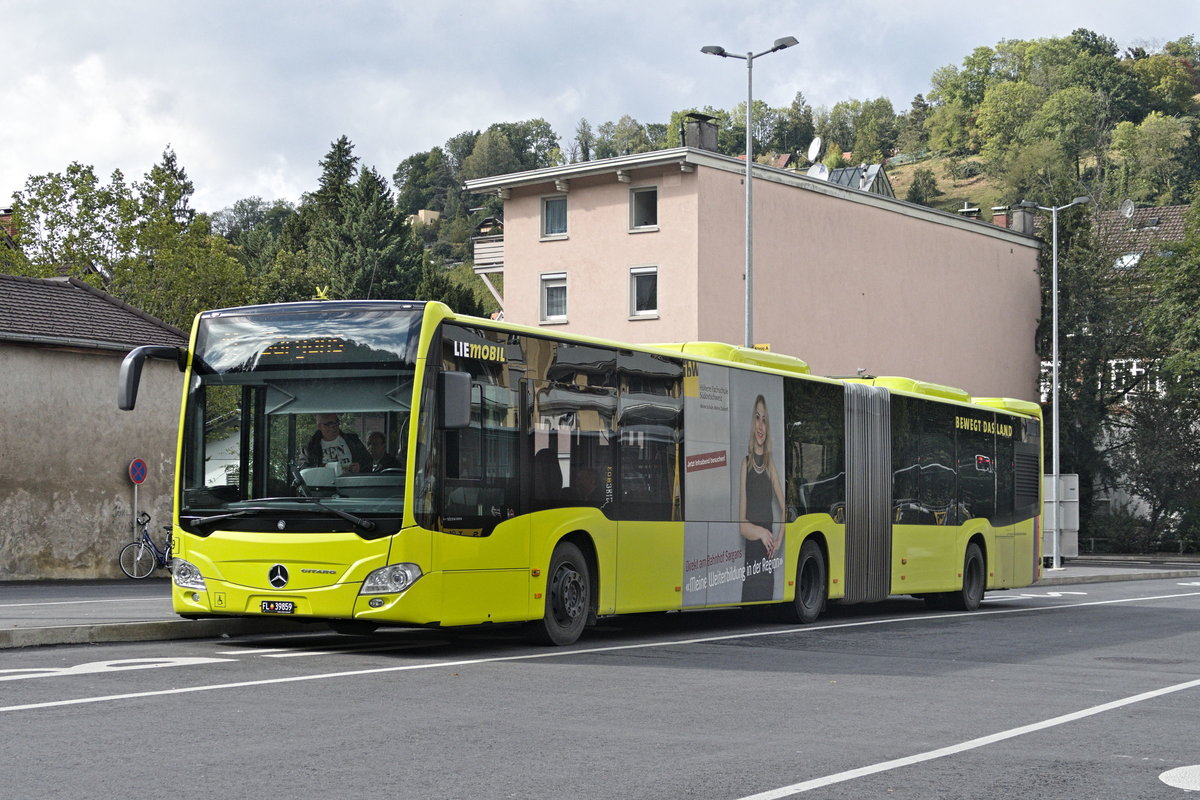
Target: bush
[1118,532]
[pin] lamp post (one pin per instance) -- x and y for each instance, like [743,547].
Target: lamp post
[1056,554]
[716,50]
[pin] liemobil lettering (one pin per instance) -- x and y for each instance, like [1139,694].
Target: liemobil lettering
[480,352]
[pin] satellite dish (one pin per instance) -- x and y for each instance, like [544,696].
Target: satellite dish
[1127,209]
[814,148]
[819,171]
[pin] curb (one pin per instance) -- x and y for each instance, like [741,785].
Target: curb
[158,630]
[1066,580]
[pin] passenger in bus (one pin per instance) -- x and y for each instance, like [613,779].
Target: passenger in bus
[761,491]
[547,480]
[380,458]
[331,443]
[586,489]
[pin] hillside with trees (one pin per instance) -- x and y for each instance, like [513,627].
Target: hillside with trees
[1043,120]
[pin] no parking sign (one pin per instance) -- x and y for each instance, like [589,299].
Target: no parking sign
[137,471]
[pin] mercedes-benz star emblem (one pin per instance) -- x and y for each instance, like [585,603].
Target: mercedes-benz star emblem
[278,576]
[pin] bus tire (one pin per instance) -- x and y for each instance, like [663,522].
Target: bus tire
[974,581]
[568,597]
[812,585]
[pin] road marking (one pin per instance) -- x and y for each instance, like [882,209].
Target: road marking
[93,667]
[1186,778]
[583,651]
[972,744]
[85,602]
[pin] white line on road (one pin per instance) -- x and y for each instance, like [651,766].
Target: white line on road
[88,602]
[962,747]
[565,653]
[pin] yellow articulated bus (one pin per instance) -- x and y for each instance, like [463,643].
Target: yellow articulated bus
[383,463]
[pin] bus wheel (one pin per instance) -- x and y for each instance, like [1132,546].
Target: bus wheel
[974,581]
[568,597]
[812,585]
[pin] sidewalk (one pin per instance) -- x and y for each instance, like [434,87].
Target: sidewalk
[81,612]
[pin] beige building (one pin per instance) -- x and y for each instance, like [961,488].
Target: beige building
[650,248]
[66,496]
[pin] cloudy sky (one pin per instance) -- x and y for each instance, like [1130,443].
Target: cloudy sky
[251,94]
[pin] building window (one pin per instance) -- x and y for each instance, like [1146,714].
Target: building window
[643,292]
[643,208]
[554,297]
[554,216]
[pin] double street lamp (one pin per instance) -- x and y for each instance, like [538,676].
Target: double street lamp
[1056,550]
[716,50]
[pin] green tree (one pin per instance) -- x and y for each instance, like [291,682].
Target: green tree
[1169,82]
[492,155]
[923,189]
[911,133]
[1151,169]
[70,224]
[338,169]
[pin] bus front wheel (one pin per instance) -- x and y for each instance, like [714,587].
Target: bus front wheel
[568,597]
[812,585]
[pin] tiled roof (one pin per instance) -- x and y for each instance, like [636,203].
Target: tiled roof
[69,311]
[1145,231]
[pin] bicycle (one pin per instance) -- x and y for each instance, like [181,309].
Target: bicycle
[142,556]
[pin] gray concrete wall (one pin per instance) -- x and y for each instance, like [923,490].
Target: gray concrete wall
[66,500]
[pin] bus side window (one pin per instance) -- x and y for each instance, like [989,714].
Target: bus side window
[815,443]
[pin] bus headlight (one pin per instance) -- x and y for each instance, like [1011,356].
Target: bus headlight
[185,574]
[391,579]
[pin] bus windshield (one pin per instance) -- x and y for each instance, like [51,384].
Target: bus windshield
[297,416]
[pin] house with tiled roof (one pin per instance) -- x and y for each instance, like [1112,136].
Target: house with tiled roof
[66,499]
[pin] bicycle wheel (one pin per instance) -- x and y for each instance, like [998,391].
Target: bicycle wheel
[137,559]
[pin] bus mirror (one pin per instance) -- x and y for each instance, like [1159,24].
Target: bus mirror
[131,371]
[454,388]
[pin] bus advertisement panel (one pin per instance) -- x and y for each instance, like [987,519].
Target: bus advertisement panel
[734,542]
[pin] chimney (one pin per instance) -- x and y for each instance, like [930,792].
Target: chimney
[1000,216]
[969,211]
[1022,221]
[699,131]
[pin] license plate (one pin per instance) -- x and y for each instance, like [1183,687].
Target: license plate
[278,607]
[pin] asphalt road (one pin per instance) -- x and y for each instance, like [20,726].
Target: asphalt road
[1073,692]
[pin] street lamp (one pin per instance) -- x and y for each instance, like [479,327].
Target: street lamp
[1056,553]
[716,50]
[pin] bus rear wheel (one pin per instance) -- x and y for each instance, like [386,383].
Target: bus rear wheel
[974,581]
[812,586]
[568,597]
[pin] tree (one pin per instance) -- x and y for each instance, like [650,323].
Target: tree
[1003,116]
[1169,82]
[70,224]
[911,133]
[492,155]
[435,284]
[585,140]
[371,252]
[1151,169]
[794,127]
[338,168]
[1101,321]
[924,187]
[949,127]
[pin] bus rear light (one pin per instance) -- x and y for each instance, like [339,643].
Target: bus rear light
[391,579]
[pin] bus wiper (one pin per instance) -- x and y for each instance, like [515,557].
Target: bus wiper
[362,522]
[201,521]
